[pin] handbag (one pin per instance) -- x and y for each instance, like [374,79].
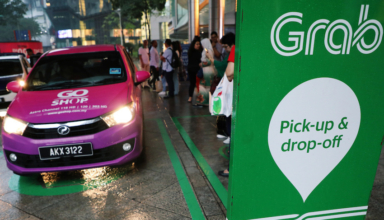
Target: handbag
[221,101]
[159,86]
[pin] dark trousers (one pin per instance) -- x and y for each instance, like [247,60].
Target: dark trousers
[155,76]
[192,80]
[171,85]
[229,122]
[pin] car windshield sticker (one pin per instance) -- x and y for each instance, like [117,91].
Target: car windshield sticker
[115,71]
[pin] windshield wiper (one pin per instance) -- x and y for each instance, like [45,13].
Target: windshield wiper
[59,85]
[113,80]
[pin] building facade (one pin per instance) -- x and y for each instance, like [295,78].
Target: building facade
[88,22]
[201,17]
[183,19]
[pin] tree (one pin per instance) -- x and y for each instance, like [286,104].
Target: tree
[11,11]
[112,21]
[136,8]
[6,31]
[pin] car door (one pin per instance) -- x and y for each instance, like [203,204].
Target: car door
[26,67]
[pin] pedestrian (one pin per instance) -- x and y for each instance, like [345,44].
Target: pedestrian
[229,45]
[144,59]
[177,48]
[203,85]
[162,78]
[154,64]
[216,46]
[194,57]
[167,68]
[29,52]
[221,124]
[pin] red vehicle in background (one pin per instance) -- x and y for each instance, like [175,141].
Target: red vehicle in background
[21,47]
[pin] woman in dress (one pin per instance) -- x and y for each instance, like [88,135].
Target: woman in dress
[194,57]
[203,85]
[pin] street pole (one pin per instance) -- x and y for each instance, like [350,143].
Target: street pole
[121,28]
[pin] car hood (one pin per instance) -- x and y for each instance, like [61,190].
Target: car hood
[68,104]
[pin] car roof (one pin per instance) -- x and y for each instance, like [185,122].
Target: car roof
[10,57]
[81,49]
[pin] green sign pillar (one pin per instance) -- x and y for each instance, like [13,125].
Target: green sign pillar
[308,108]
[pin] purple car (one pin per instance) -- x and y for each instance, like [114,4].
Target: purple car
[79,108]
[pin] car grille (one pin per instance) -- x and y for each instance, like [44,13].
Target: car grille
[101,155]
[4,92]
[4,105]
[47,133]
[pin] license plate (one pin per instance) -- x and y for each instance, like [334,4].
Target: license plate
[69,150]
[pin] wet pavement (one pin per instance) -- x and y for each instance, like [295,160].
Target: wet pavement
[175,179]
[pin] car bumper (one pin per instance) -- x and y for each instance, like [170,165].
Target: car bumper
[107,146]
[7,99]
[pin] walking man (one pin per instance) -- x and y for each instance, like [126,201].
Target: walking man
[154,64]
[167,68]
[144,59]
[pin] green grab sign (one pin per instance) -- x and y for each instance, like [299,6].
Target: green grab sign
[307,110]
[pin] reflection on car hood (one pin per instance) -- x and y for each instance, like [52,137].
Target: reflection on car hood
[68,104]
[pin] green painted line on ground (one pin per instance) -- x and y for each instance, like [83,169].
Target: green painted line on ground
[209,173]
[193,116]
[221,152]
[190,198]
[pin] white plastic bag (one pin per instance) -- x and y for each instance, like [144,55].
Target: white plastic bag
[220,102]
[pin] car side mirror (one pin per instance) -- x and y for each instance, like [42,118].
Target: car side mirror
[141,76]
[14,86]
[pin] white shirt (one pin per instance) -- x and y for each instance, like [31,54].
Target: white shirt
[155,59]
[168,56]
[144,55]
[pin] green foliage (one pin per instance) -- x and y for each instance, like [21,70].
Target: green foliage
[11,11]
[136,8]
[6,31]
[112,21]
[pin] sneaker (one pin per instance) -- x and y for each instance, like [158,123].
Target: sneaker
[220,136]
[162,93]
[227,141]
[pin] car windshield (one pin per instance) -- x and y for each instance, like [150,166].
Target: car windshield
[76,70]
[10,67]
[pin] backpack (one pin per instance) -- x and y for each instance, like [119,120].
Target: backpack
[175,62]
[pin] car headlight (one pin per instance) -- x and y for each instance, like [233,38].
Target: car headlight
[14,126]
[122,115]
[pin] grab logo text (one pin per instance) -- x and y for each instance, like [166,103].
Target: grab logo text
[351,38]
